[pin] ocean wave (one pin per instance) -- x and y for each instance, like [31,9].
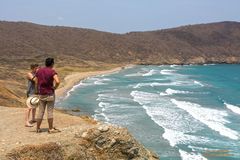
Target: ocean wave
[154,84]
[112,97]
[100,81]
[213,118]
[103,104]
[198,83]
[170,91]
[191,156]
[138,74]
[159,79]
[150,73]
[107,90]
[143,97]
[167,72]
[175,137]
[197,148]
[163,113]
[233,108]
[175,122]
[81,83]
[98,115]
[210,64]
[173,65]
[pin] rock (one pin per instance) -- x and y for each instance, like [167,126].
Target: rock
[97,143]
[103,128]
[116,132]
[18,142]
[133,152]
[75,110]
[84,135]
[113,142]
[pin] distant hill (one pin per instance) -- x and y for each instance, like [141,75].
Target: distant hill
[77,49]
[203,43]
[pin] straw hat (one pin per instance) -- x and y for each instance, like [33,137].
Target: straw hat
[32,101]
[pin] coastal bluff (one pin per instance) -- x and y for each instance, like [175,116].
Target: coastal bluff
[80,138]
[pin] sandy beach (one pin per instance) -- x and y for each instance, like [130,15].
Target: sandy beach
[73,79]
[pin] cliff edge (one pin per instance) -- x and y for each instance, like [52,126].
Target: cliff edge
[80,138]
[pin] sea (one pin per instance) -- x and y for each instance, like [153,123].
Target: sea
[188,112]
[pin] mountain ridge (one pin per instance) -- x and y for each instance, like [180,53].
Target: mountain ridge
[179,45]
[78,50]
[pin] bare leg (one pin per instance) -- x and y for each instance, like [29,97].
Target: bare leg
[50,123]
[39,122]
[50,106]
[33,114]
[27,115]
[42,106]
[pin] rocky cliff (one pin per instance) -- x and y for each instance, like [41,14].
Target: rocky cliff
[103,142]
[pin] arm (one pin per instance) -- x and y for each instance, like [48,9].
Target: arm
[57,81]
[36,85]
[30,77]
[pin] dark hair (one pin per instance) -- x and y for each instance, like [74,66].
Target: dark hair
[32,66]
[49,62]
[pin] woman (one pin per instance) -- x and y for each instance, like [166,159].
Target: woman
[30,92]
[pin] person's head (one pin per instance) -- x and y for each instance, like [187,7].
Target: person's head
[49,62]
[34,67]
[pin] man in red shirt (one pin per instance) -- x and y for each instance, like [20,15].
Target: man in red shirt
[47,82]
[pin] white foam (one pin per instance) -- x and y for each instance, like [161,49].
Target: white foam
[109,97]
[150,73]
[100,81]
[107,91]
[160,79]
[212,64]
[176,137]
[170,91]
[103,104]
[213,118]
[174,120]
[143,97]
[138,74]
[95,116]
[196,148]
[191,156]
[173,66]
[198,83]
[81,83]
[233,108]
[153,84]
[167,72]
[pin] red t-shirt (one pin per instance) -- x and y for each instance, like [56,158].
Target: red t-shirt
[45,80]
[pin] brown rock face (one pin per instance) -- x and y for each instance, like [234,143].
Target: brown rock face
[28,41]
[99,143]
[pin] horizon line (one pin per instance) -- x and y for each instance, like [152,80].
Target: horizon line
[93,29]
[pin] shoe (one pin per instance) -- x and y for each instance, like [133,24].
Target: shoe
[28,125]
[33,121]
[53,130]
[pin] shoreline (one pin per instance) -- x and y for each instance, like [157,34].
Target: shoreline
[74,79]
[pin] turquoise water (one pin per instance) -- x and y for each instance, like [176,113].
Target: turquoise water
[180,112]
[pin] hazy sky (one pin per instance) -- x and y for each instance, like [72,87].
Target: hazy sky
[120,16]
